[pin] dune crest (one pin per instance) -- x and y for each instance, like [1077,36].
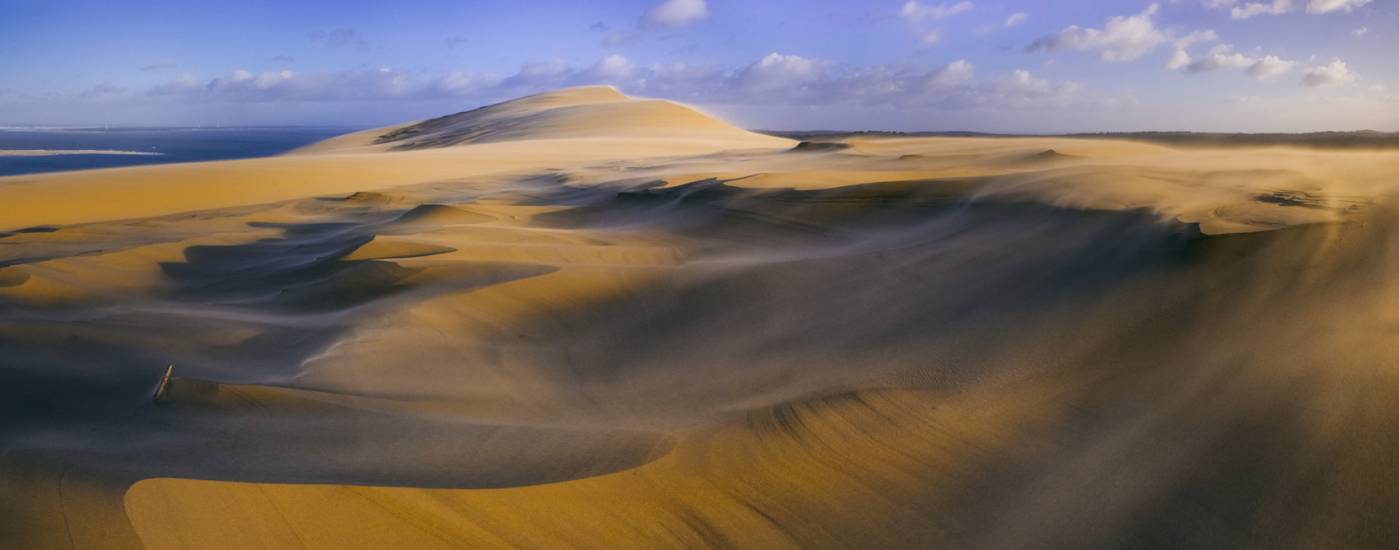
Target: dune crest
[440,214]
[590,112]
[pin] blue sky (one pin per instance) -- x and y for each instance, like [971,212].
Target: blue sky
[987,65]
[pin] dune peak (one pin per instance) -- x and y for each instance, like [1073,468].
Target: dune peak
[600,112]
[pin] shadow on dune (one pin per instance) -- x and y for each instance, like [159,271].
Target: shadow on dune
[250,314]
[302,270]
[894,276]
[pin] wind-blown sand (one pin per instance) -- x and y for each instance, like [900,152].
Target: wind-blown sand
[585,320]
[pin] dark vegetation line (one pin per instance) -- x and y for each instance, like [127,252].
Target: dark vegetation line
[1363,139]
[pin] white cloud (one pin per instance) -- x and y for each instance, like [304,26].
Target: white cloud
[1223,56]
[1331,74]
[931,37]
[957,72]
[676,13]
[1016,19]
[1179,60]
[1197,37]
[241,79]
[1362,31]
[915,11]
[1021,89]
[1270,66]
[1251,9]
[1123,38]
[1328,6]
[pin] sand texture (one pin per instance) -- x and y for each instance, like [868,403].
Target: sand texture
[580,319]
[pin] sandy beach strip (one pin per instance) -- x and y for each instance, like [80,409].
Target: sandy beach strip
[62,152]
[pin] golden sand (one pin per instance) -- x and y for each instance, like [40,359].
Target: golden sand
[580,319]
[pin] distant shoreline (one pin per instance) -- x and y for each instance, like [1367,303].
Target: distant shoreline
[1364,139]
[61,152]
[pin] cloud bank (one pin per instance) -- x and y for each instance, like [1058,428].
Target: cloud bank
[775,78]
[1248,10]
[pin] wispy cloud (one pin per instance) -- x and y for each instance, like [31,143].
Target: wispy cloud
[1253,9]
[1223,56]
[339,38]
[103,91]
[917,11]
[1248,10]
[1270,66]
[1329,6]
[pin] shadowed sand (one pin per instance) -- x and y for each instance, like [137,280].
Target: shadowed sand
[580,319]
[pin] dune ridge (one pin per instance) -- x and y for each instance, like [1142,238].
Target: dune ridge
[580,319]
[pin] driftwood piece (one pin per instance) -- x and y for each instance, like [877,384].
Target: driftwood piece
[164,386]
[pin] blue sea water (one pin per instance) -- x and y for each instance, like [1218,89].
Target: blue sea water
[173,144]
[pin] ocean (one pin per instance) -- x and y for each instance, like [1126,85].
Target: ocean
[114,147]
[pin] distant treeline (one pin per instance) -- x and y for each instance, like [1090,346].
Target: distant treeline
[1364,139]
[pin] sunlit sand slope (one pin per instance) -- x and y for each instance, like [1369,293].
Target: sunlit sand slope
[462,333]
[559,129]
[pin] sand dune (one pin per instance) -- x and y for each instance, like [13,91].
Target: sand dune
[534,134]
[433,215]
[580,319]
[590,112]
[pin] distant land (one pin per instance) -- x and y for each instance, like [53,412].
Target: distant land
[1361,139]
[35,150]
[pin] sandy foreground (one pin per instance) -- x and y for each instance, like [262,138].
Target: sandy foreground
[580,319]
